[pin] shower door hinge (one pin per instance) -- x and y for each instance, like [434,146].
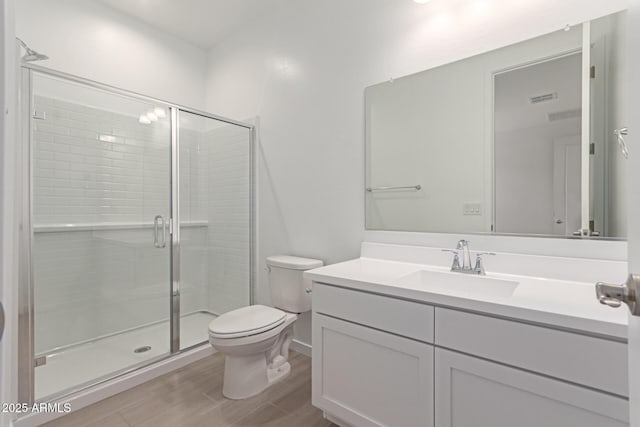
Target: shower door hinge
[40,361]
[592,148]
[592,72]
[39,115]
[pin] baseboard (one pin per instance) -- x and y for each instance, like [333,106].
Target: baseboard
[116,385]
[301,347]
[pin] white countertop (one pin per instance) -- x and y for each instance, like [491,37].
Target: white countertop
[555,302]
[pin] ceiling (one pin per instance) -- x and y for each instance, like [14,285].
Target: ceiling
[200,22]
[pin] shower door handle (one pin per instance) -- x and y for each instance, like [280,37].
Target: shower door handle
[156,231]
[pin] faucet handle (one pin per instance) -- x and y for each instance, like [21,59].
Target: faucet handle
[479,268]
[455,266]
[479,254]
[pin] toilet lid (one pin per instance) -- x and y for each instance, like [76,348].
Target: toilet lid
[244,321]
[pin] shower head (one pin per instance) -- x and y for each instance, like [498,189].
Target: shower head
[30,55]
[34,56]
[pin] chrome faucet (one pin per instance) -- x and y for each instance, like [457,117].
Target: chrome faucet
[478,268]
[463,246]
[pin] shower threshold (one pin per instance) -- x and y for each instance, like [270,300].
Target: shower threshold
[87,362]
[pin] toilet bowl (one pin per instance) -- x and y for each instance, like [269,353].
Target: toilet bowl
[255,339]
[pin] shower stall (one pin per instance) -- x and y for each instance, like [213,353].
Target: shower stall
[137,230]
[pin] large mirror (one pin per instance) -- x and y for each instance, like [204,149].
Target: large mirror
[526,139]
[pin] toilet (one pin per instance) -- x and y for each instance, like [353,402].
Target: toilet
[255,339]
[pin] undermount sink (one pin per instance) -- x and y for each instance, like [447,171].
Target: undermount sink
[442,282]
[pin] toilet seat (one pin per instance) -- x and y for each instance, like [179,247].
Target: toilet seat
[246,321]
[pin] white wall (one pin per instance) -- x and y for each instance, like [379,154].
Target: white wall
[303,71]
[93,41]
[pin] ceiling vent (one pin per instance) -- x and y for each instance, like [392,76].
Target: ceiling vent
[543,98]
[564,115]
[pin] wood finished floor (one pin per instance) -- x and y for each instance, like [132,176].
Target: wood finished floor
[192,396]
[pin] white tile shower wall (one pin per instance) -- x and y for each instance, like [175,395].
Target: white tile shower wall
[194,289]
[214,190]
[193,176]
[97,167]
[228,150]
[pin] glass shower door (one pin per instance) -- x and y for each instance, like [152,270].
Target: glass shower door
[214,218]
[101,204]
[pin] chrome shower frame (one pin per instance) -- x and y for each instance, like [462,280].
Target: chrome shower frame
[26,349]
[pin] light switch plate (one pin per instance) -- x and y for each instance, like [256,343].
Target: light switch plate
[472,209]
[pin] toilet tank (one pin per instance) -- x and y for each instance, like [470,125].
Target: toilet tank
[288,287]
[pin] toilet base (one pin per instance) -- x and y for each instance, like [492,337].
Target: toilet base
[244,376]
[255,362]
[248,376]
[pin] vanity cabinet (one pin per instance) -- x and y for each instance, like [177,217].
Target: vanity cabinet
[385,361]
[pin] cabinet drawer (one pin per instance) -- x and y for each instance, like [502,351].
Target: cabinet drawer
[593,362]
[405,318]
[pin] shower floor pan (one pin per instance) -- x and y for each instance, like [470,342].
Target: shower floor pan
[85,363]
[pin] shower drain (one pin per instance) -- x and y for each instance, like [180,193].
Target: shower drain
[142,349]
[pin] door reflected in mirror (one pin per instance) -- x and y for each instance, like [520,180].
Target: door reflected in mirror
[537,131]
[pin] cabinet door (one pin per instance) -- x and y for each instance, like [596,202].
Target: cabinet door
[473,392]
[366,377]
